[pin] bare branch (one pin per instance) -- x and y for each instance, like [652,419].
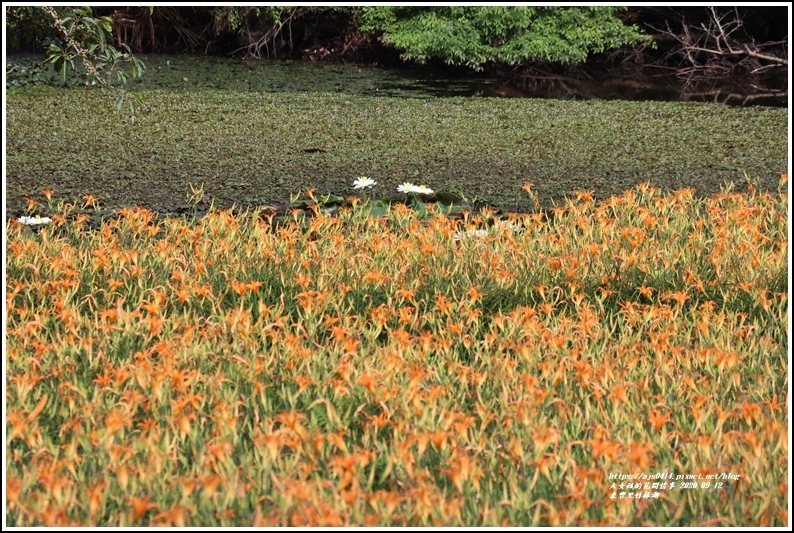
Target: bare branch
[717,46]
[257,41]
[765,57]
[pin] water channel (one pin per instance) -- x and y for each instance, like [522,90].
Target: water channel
[418,82]
[192,72]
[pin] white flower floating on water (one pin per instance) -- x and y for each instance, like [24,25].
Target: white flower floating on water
[406,187]
[471,233]
[483,232]
[34,221]
[363,182]
[409,187]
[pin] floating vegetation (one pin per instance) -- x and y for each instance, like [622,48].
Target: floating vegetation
[253,149]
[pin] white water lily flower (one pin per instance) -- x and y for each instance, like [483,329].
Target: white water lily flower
[34,221]
[409,187]
[406,187]
[471,233]
[363,182]
[483,232]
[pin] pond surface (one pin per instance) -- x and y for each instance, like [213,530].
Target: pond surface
[192,72]
[416,82]
[255,133]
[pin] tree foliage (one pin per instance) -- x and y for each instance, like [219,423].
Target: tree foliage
[88,39]
[474,36]
[74,35]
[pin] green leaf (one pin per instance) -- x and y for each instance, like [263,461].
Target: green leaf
[301,204]
[377,210]
[448,198]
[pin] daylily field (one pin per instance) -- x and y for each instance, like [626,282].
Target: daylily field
[403,370]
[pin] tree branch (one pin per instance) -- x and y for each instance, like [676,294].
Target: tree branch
[715,44]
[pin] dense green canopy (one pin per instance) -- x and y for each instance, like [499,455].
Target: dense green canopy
[473,36]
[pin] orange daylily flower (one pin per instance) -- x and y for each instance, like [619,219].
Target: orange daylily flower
[89,200]
[13,489]
[658,419]
[641,455]
[292,421]
[604,447]
[116,420]
[555,263]
[618,394]
[239,288]
[210,484]
[542,465]
[172,517]
[95,494]
[439,439]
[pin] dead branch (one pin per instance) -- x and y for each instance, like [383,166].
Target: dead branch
[270,38]
[718,47]
[765,57]
[723,97]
